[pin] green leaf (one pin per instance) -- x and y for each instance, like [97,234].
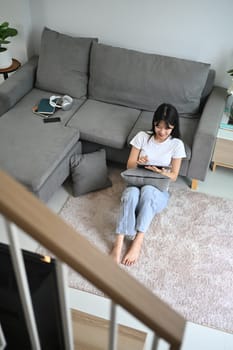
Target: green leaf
[6,31]
[4,42]
[4,25]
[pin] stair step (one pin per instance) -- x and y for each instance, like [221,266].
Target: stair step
[91,333]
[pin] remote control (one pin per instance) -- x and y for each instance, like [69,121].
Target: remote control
[52,120]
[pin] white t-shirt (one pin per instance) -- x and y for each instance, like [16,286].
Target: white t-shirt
[160,153]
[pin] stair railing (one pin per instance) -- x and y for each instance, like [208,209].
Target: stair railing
[32,216]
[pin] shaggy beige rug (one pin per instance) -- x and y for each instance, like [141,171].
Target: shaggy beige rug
[187,256]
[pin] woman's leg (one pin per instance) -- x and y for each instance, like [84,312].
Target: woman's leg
[117,248]
[127,216]
[134,251]
[151,202]
[126,221]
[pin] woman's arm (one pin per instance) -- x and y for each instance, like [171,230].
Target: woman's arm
[171,173]
[134,158]
[174,172]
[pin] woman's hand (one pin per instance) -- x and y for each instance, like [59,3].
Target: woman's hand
[171,173]
[142,160]
[157,170]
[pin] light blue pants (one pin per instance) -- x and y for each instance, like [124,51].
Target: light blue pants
[138,207]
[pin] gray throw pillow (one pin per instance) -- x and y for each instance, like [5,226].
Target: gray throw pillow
[63,63]
[89,172]
[141,177]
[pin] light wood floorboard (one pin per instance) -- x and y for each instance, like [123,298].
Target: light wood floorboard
[91,333]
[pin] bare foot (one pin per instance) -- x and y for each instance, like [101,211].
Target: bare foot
[117,248]
[134,251]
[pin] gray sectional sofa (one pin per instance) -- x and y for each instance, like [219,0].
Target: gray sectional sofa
[115,92]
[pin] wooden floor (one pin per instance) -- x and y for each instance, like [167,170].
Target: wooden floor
[91,333]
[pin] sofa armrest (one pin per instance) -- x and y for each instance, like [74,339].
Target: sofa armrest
[205,137]
[17,85]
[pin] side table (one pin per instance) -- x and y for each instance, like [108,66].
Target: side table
[15,65]
[223,152]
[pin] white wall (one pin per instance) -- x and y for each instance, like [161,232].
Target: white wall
[199,30]
[17,13]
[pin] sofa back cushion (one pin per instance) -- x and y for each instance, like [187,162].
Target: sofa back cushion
[208,86]
[144,81]
[63,63]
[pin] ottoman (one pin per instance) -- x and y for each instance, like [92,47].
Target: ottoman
[37,154]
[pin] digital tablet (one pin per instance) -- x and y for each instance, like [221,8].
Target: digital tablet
[157,166]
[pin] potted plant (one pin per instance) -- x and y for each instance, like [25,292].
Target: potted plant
[5,32]
[230,89]
[229,101]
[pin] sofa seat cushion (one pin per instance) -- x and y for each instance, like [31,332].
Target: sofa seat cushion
[144,81]
[104,123]
[25,105]
[30,150]
[63,63]
[143,123]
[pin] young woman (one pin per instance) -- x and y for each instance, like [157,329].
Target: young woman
[160,146]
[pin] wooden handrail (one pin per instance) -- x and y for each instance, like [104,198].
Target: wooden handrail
[31,215]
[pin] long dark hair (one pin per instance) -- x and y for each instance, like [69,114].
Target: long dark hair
[167,113]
